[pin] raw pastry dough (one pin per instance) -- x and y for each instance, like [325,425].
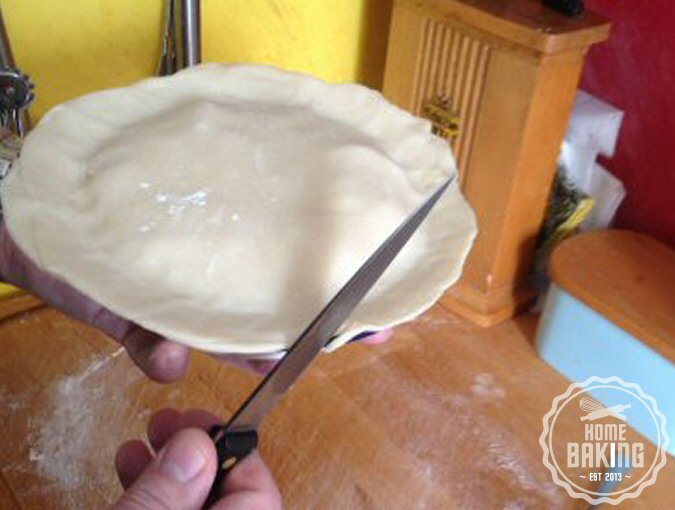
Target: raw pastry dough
[223,206]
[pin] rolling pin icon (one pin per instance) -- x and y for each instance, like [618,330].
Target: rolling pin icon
[596,410]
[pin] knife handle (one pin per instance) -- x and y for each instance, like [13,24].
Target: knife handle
[231,448]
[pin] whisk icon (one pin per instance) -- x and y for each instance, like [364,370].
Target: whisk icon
[596,410]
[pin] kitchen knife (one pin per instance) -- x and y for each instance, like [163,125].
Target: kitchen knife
[239,436]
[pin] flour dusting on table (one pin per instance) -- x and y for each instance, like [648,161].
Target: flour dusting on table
[10,404]
[485,461]
[484,386]
[65,440]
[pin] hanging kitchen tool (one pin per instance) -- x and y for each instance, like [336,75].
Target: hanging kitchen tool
[16,89]
[181,36]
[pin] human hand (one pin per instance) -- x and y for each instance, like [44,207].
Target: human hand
[161,359]
[180,469]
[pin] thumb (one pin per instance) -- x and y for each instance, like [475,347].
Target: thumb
[179,478]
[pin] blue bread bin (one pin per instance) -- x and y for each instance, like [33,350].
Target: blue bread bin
[610,311]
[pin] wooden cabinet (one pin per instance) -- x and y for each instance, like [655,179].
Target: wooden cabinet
[508,69]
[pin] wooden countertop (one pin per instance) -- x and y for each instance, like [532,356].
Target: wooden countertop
[446,415]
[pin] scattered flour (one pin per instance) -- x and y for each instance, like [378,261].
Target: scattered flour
[10,404]
[484,379]
[484,387]
[431,323]
[483,460]
[516,505]
[434,319]
[82,407]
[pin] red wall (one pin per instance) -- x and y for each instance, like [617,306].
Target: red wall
[635,71]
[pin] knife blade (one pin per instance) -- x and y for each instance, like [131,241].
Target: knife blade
[238,437]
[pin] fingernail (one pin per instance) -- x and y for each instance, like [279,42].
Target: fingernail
[181,461]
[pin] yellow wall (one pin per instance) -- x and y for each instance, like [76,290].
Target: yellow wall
[70,47]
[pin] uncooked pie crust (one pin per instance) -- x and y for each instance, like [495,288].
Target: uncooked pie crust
[223,206]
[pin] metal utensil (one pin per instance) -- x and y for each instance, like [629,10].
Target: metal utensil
[181,41]
[167,60]
[191,32]
[236,439]
[16,95]
[16,89]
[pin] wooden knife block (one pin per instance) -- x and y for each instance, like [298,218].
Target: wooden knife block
[507,72]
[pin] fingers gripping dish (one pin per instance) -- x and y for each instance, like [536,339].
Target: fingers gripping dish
[223,206]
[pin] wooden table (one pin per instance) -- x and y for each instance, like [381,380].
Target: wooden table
[447,415]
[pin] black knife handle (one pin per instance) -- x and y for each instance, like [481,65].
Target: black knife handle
[231,448]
